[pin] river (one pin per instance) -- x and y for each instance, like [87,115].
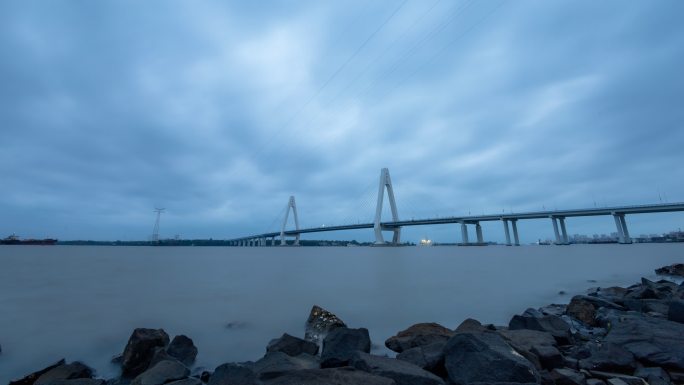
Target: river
[82,302]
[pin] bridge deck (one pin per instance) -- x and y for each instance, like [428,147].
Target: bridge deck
[641,209]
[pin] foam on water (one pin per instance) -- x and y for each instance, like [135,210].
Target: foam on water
[82,303]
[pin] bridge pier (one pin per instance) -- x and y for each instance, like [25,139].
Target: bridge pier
[514,225]
[507,232]
[464,233]
[623,232]
[478,232]
[562,236]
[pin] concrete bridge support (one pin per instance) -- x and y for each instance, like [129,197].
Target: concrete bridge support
[385,183]
[478,232]
[621,224]
[562,236]
[514,225]
[464,233]
[507,232]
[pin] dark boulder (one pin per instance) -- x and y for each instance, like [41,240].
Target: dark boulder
[341,343]
[292,346]
[583,308]
[183,349]
[31,378]
[674,269]
[275,364]
[613,294]
[337,376]
[161,373]
[538,347]
[65,372]
[654,376]
[320,323]
[429,357]
[675,311]
[469,325]
[78,381]
[233,374]
[567,376]
[608,357]
[485,357]
[160,355]
[186,381]
[647,305]
[419,335]
[653,341]
[555,325]
[402,372]
[140,349]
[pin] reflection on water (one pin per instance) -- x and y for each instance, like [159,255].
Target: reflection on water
[82,303]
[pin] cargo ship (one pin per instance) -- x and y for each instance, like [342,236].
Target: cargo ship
[14,240]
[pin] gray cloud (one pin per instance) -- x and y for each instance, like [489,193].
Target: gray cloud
[219,112]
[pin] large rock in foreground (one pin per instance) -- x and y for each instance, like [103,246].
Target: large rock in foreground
[162,373]
[292,346]
[140,349]
[75,370]
[674,269]
[233,374]
[320,323]
[340,345]
[339,376]
[420,334]
[532,319]
[653,341]
[485,357]
[275,364]
[31,378]
[183,349]
[402,372]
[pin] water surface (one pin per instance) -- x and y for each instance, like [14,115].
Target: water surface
[82,302]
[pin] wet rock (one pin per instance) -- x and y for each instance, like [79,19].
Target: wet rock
[320,323]
[429,357]
[31,378]
[553,309]
[402,372]
[420,334]
[675,311]
[595,381]
[161,373]
[140,349]
[292,346]
[647,305]
[534,320]
[183,349]
[469,325]
[538,347]
[340,345]
[78,381]
[160,355]
[653,341]
[617,378]
[582,310]
[275,364]
[654,376]
[567,377]
[338,376]
[676,269]
[613,294]
[233,374]
[485,357]
[65,372]
[187,381]
[608,357]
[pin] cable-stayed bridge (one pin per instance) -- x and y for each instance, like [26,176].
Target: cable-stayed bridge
[509,221]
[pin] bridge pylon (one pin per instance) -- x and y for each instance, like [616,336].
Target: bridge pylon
[291,205]
[385,183]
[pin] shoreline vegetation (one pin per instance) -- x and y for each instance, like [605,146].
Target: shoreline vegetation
[609,336]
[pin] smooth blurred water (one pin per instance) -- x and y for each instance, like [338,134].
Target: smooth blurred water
[82,303]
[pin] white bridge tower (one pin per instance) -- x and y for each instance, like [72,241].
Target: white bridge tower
[385,182]
[290,205]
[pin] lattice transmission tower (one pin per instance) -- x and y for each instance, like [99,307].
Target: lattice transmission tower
[155,231]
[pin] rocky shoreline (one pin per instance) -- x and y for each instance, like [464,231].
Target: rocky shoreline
[610,336]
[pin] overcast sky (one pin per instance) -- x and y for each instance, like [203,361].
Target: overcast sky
[219,111]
